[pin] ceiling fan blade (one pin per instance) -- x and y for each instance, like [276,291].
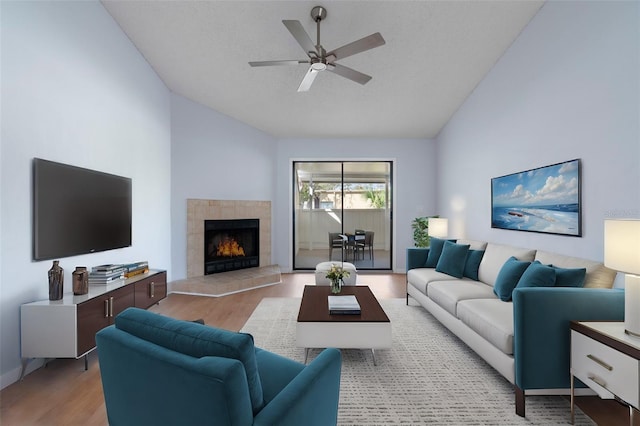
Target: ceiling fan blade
[349,73]
[366,43]
[307,81]
[270,63]
[297,31]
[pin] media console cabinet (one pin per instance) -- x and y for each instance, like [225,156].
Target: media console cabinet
[67,328]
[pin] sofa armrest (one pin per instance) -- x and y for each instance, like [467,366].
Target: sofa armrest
[417,257]
[311,398]
[541,334]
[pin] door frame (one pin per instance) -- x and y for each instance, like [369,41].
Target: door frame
[291,213]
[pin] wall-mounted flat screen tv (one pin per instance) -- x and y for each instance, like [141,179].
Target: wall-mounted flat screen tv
[545,199]
[78,211]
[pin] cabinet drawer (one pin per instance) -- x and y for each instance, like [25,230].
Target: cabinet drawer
[604,369]
[151,290]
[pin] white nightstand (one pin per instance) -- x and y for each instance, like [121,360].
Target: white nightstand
[607,360]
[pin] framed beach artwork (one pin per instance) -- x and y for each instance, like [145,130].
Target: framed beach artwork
[546,199]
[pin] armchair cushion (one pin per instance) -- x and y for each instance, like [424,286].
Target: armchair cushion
[196,340]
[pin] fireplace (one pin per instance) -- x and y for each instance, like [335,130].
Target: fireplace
[231,244]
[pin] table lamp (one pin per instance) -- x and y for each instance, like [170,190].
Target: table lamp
[622,253]
[438,227]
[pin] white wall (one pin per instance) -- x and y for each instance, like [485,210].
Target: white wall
[214,157]
[76,91]
[567,88]
[414,183]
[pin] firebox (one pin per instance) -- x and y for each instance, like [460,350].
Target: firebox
[231,244]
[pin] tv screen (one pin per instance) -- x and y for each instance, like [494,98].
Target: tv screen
[78,211]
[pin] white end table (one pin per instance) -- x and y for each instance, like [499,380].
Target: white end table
[607,360]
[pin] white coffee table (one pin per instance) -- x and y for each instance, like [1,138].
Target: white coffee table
[315,328]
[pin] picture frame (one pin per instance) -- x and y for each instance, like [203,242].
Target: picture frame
[545,199]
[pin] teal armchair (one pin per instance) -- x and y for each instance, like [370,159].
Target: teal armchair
[162,371]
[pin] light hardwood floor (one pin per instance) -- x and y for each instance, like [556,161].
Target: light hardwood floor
[63,393]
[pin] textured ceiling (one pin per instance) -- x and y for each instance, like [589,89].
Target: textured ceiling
[436,52]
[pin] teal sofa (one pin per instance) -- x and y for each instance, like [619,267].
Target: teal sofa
[161,371]
[526,338]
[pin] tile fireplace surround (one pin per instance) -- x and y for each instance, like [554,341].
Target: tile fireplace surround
[200,210]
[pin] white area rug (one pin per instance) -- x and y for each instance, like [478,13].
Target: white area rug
[429,377]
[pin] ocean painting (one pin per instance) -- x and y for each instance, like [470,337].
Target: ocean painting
[546,199]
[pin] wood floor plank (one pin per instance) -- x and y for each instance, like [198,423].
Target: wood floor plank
[64,394]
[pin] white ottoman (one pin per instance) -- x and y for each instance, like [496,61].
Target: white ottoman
[324,267]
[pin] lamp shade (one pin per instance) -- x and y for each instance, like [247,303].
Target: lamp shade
[438,227]
[622,245]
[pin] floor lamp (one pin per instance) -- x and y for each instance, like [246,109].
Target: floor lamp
[622,253]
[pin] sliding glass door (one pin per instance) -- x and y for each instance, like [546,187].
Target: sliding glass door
[342,210]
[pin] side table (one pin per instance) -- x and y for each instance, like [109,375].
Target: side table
[607,360]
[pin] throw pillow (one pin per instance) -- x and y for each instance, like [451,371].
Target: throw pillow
[566,277]
[435,250]
[537,275]
[452,259]
[508,278]
[472,264]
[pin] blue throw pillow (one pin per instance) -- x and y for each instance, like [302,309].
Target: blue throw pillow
[452,259]
[573,277]
[471,266]
[435,250]
[537,275]
[508,278]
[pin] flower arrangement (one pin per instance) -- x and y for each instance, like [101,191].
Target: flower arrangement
[336,274]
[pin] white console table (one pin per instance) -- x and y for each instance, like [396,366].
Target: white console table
[67,328]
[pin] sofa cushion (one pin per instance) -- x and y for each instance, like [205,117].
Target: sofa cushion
[447,294]
[473,244]
[508,278]
[537,275]
[570,277]
[421,277]
[495,255]
[195,340]
[435,250]
[597,276]
[490,318]
[453,259]
[471,265]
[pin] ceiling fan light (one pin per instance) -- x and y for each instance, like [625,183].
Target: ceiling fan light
[318,66]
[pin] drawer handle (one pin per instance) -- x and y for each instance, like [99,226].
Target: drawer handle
[111,307]
[106,308]
[152,289]
[600,362]
[599,382]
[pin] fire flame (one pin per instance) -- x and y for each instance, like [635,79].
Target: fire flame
[229,248]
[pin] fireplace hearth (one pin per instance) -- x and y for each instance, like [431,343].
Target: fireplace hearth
[230,245]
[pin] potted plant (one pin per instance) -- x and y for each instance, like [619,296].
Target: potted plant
[420,226]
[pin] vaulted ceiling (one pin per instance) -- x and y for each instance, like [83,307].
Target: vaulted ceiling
[436,52]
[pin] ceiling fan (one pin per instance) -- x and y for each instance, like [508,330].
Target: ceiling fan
[321,60]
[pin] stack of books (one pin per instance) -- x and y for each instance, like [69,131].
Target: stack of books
[135,268]
[344,305]
[106,274]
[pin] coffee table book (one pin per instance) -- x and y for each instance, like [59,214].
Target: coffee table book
[343,305]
